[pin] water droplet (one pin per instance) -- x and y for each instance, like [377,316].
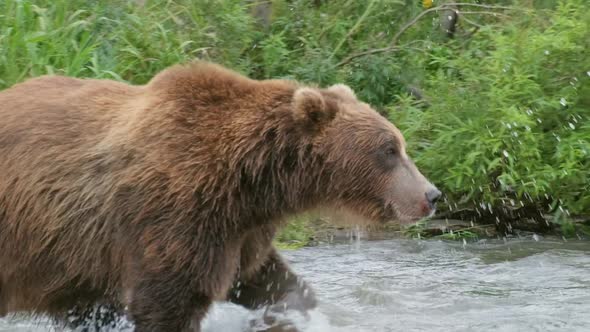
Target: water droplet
[505,153]
[563,102]
[572,126]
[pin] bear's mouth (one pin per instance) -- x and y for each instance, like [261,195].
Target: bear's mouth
[393,214]
[381,213]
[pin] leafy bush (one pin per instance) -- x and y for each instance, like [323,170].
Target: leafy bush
[295,234]
[508,118]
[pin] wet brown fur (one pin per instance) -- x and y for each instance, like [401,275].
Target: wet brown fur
[161,196]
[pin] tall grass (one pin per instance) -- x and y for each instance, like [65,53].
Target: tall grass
[124,40]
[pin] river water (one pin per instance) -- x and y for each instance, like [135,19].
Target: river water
[519,284]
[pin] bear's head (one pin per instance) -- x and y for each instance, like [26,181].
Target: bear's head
[365,168]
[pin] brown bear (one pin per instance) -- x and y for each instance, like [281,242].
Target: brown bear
[165,197]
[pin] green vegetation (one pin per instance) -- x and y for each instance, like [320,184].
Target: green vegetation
[295,234]
[496,116]
[459,235]
[509,111]
[421,230]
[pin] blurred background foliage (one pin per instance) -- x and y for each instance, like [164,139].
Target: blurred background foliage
[493,96]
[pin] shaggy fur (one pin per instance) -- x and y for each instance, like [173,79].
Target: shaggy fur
[161,197]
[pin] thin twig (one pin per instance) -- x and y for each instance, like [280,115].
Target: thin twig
[480,13]
[479,26]
[464,4]
[349,58]
[353,29]
[389,49]
[408,25]
[472,32]
[255,3]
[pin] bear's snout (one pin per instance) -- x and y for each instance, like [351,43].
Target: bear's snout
[432,196]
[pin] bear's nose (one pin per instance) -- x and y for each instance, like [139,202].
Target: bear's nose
[432,196]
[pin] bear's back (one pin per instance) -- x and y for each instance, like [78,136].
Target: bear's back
[59,110]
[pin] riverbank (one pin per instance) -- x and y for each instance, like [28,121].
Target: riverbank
[312,231]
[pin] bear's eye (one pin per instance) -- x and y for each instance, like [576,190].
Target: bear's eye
[390,151]
[387,156]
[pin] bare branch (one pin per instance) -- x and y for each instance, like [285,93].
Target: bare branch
[389,49]
[471,33]
[349,58]
[447,6]
[354,28]
[480,13]
[408,25]
[464,4]
[479,26]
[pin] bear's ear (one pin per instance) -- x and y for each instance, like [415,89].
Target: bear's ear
[343,90]
[311,108]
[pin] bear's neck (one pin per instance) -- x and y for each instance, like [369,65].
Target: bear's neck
[278,178]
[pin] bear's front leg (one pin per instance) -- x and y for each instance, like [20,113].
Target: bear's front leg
[166,303]
[273,283]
